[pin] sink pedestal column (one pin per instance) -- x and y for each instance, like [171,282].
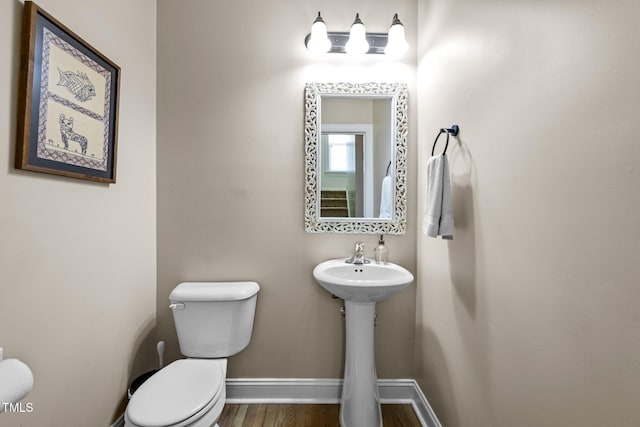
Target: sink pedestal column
[360,406]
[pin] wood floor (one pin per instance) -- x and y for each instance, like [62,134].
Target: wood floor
[262,415]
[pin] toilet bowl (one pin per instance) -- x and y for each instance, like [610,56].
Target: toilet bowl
[213,320]
[187,392]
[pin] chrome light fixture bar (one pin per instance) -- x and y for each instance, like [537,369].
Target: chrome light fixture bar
[379,43]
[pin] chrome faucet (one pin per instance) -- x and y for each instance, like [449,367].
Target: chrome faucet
[358,255]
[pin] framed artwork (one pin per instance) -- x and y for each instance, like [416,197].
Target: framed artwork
[67,102]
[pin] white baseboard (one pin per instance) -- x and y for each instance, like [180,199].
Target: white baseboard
[321,390]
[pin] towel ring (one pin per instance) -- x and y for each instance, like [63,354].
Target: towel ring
[436,141]
[453,130]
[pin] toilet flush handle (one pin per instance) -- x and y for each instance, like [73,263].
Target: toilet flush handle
[176,306]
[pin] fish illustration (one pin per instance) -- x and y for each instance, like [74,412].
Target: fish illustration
[77,84]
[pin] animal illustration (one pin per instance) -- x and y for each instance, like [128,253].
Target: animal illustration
[66,130]
[77,84]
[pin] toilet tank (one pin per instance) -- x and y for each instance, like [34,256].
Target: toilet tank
[213,319]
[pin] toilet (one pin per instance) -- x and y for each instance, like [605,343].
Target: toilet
[214,320]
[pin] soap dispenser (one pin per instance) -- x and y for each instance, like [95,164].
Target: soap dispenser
[381,253]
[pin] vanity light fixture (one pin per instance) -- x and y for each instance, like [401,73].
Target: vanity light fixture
[317,41]
[396,44]
[357,41]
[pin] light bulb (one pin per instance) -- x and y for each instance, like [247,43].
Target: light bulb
[357,43]
[396,43]
[319,42]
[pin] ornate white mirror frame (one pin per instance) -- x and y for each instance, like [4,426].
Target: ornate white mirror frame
[314,223]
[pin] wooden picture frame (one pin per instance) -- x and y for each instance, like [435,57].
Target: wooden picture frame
[67,102]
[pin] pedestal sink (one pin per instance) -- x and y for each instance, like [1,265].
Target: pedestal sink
[360,286]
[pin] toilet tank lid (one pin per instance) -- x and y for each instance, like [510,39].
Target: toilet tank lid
[214,291]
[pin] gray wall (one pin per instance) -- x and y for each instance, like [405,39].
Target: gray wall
[78,259]
[529,317]
[231,176]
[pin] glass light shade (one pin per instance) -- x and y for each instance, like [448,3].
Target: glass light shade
[319,42]
[357,43]
[396,43]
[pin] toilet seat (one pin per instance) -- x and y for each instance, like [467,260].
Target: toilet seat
[179,395]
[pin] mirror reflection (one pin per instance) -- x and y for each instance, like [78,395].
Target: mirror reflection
[355,157]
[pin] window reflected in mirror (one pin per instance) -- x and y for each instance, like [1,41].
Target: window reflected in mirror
[341,151]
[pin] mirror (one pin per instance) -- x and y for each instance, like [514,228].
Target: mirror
[355,158]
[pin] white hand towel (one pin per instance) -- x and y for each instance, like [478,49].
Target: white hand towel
[438,218]
[386,198]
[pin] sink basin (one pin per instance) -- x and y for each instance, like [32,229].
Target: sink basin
[361,283]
